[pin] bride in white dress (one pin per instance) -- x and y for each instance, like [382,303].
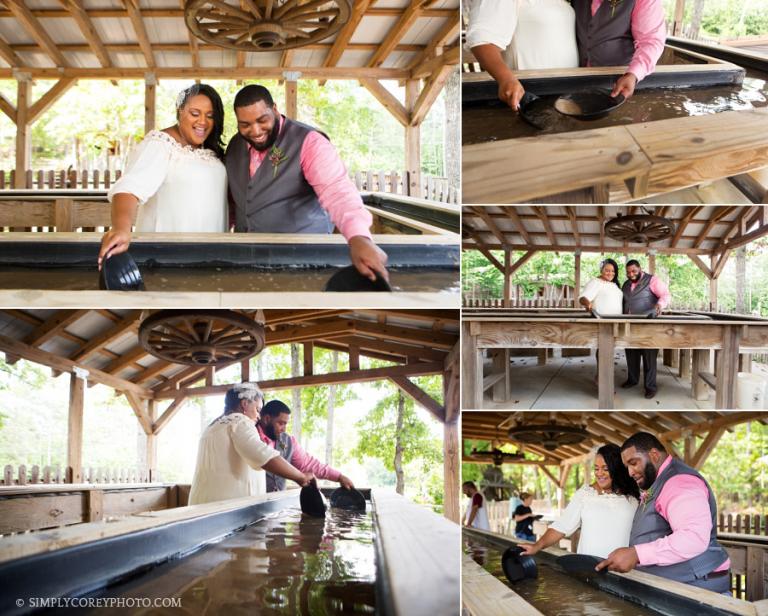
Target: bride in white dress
[512,35]
[603,510]
[175,177]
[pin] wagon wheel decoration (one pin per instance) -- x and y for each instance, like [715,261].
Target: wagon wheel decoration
[550,436]
[201,337]
[643,228]
[265,25]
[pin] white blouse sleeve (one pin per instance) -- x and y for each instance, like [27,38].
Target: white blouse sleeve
[591,290]
[146,172]
[570,519]
[247,443]
[492,22]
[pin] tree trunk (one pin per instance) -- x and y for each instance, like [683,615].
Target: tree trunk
[400,479]
[296,370]
[698,12]
[453,129]
[331,407]
[741,278]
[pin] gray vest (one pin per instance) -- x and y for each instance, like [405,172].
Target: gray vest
[604,39]
[641,300]
[276,199]
[284,444]
[648,526]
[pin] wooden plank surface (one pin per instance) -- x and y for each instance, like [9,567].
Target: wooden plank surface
[517,170]
[422,554]
[484,595]
[606,375]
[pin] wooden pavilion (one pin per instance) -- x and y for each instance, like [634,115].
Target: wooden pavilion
[101,346]
[678,431]
[413,42]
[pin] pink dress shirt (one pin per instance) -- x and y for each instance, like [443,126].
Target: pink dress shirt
[649,31]
[325,172]
[659,289]
[303,461]
[684,503]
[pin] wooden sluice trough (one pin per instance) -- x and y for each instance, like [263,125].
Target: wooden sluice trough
[641,592]
[616,163]
[173,553]
[541,329]
[58,267]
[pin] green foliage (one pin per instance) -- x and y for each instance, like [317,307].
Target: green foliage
[726,19]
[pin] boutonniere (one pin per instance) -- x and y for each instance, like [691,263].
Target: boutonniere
[646,496]
[614,4]
[276,156]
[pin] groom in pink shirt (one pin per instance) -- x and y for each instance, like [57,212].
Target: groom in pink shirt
[674,531]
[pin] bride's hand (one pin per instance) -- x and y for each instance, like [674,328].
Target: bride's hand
[114,242]
[510,92]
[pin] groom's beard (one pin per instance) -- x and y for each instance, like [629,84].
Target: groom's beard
[270,432]
[649,476]
[270,141]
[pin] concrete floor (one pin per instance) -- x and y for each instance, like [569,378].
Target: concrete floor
[568,383]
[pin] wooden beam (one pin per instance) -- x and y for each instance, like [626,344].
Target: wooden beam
[49,98]
[151,458]
[125,360]
[32,26]
[7,108]
[9,345]
[542,214]
[718,269]
[23,129]
[518,223]
[299,333]
[343,38]
[83,21]
[134,14]
[125,325]
[683,223]
[150,102]
[309,358]
[451,449]
[633,250]
[291,103]
[75,429]
[447,33]
[167,12]
[194,46]
[53,326]
[151,371]
[9,55]
[401,27]
[392,351]
[419,396]
[140,409]
[717,214]
[431,338]
[352,376]
[481,211]
[170,411]
[387,99]
[430,93]
[706,447]
[449,57]
[726,420]
[521,261]
[412,140]
[701,265]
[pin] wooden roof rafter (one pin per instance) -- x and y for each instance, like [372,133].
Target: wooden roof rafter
[33,27]
[78,13]
[134,14]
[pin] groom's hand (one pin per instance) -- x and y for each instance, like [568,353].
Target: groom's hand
[621,560]
[367,257]
[625,85]
[510,92]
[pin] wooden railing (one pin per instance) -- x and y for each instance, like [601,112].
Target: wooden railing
[433,188]
[538,302]
[24,475]
[743,523]
[47,180]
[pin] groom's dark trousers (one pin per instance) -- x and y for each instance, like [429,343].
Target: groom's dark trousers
[649,357]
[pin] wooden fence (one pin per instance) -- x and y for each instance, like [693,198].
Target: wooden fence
[538,302]
[546,296]
[743,523]
[23,475]
[433,188]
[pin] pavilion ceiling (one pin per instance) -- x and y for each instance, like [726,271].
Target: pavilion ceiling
[614,427]
[106,341]
[396,39]
[700,230]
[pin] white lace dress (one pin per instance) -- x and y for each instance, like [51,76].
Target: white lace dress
[605,296]
[228,451]
[179,188]
[605,521]
[534,34]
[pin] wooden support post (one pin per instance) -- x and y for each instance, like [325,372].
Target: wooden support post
[150,100]
[728,366]
[755,574]
[689,448]
[23,129]
[605,376]
[745,362]
[666,355]
[576,278]
[152,441]
[652,263]
[542,357]
[701,361]
[685,364]
[309,359]
[501,364]
[245,371]
[354,357]
[75,429]
[713,287]
[507,280]
[472,370]
[451,444]
[587,464]
[95,505]
[413,141]
[677,21]
[291,102]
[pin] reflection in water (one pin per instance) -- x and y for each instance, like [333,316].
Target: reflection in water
[286,564]
[554,593]
[225,279]
[492,120]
